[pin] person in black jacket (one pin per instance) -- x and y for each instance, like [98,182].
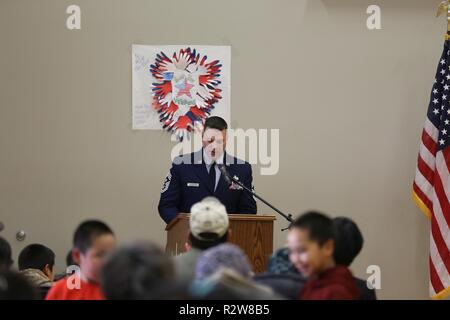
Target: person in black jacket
[5,254]
[282,276]
[348,243]
[14,286]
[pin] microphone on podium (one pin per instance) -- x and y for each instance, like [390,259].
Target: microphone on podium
[229,179]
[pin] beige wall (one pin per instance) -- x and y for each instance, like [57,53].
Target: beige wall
[349,103]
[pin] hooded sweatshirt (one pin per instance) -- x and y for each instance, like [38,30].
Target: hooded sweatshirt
[336,283]
[37,277]
[39,280]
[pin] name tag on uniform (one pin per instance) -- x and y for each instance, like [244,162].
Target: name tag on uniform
[193,184]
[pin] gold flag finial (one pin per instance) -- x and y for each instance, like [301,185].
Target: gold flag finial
[444,7]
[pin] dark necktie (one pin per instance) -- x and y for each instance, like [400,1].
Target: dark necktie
[212,176]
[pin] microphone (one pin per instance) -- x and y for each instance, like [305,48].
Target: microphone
[225,174]
[229,179]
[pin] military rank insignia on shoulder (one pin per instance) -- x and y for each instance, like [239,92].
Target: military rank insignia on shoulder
[166,182]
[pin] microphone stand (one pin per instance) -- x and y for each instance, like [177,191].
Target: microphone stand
[230,179]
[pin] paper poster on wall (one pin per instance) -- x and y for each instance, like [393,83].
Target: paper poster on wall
[176,87]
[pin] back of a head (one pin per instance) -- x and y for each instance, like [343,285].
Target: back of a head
[279,263]
[349,241]
[14,286]
[137,271]
[318,225]
[5,254]
[36,256]
[208,223]
[86,233]
[224,256]
[225,284]
[69,259]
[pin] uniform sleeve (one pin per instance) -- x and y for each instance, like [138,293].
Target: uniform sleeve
[247,203]
[170,195]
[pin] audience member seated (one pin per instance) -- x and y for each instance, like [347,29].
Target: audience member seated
[208,226]
[69,263]
[93,241]
[224,272]
[14,286]
[6,260]
[311,249]
[282,276]
[69,259]
[139,271]
[314,266]
[349,242]
[36,263]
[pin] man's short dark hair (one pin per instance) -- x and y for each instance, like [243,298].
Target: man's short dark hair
[36,256]
[5,254]
[318,225]
[349,241]
[86,233]
[216,123]
[213,240]
[69,259]
[135,272]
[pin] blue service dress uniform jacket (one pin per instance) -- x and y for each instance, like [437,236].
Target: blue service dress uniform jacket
[187,183]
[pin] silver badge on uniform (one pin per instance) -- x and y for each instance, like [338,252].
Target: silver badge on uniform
[234,185]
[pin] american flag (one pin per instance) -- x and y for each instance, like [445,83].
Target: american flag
[431,188]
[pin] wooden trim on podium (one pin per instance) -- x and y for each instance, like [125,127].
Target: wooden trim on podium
[253,233]
[234,217]
[180,216]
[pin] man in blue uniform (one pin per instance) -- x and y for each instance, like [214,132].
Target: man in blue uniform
[197,175]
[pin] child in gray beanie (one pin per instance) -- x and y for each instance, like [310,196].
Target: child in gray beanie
[224,256]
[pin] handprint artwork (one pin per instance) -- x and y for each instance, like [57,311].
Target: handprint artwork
[186,88]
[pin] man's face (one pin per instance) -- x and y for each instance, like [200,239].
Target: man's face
[91,261]
[306,254]
[214,142]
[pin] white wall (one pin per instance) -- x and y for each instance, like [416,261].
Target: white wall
[349,102]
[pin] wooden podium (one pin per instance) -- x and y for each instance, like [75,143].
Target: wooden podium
[253,233]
